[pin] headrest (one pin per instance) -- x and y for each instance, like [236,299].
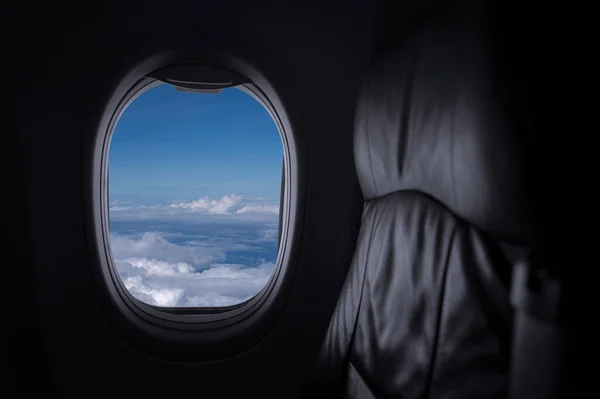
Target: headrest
[437,114]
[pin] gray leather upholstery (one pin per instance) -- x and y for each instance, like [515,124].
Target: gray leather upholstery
[425,311]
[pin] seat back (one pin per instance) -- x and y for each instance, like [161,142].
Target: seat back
[425,309]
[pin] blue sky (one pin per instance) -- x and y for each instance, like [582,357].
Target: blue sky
[171,145]
[194,185]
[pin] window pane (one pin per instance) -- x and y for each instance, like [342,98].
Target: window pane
[194,191]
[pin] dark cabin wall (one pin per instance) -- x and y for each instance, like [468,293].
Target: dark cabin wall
[67,59]
[26,357]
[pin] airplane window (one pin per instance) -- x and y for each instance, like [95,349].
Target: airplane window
[194,197]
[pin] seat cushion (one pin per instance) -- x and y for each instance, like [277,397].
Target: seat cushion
[424,311]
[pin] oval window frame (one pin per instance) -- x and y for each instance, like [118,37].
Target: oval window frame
[190,333]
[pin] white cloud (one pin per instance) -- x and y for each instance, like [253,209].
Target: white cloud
[119,208]
[164,284]
[159,268]
[153,246]
[224,205]
[159,297]
[231,207]
[259,209]
[162,273]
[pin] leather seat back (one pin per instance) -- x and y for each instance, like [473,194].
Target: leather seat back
[425,310]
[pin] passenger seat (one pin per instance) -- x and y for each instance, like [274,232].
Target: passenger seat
[425,312]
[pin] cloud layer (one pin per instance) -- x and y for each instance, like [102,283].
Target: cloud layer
[178,284]
[232,207]
[197,270]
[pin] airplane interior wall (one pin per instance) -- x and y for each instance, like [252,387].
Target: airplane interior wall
[67,62]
